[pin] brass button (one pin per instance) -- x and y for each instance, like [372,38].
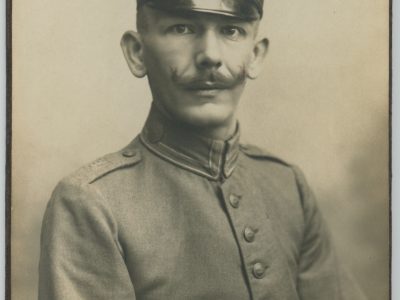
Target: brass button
[234,201]
[258,270]
[249,234]
[129,153]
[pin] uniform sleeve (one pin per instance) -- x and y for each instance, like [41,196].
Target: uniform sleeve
[321,276]
[80,254]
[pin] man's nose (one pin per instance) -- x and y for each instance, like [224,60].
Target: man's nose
[208,55]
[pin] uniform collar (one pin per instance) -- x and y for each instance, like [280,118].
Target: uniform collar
[214,159]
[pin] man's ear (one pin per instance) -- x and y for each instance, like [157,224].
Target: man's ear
[259,52]
[132,47]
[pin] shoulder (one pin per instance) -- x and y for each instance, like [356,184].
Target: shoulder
[113,162]
[283,173]
[258,153]
[82,180]
[79,187]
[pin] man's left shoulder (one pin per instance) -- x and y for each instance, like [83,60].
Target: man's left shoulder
[259,153]
[274,162]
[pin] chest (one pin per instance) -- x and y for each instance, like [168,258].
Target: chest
[185,237]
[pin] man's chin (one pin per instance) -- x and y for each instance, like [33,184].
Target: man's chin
[207,116]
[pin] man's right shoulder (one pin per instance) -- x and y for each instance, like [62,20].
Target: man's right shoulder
[128,156]
[85,185]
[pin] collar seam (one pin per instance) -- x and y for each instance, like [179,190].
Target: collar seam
[183,156]
[210,155]
[177,163]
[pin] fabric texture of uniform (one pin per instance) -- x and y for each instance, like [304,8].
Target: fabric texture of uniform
[176,216]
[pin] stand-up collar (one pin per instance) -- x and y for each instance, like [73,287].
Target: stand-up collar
[214,159]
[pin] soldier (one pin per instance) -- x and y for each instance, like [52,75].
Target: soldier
[185,211]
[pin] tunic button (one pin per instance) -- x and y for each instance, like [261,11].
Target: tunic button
[258,270]
[249,234]
[234,201]
[129,153]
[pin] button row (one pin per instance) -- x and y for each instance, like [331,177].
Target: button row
[249,235]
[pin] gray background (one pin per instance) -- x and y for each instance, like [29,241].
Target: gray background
[321,102]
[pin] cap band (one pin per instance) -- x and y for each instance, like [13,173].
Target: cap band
[244,9]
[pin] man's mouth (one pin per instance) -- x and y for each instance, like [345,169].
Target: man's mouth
[206,86]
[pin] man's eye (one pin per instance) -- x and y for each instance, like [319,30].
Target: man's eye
[233,32]
[181,29]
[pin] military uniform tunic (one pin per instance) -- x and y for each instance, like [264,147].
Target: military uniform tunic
[178,216]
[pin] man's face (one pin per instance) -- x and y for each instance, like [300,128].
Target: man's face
[197,64]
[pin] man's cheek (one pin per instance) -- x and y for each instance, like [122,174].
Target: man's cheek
[238,62]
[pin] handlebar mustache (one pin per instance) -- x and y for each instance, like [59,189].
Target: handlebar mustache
[214,80]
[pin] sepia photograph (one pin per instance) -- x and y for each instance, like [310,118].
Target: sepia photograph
[199,149]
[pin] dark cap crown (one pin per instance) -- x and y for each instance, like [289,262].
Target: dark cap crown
[244,9]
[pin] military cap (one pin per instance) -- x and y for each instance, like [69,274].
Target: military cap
[243,9]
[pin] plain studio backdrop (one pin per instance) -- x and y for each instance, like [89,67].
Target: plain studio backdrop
[321,102]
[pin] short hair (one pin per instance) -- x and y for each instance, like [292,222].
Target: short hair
[141,20]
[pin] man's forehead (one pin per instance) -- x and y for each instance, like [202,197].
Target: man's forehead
[242,9]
